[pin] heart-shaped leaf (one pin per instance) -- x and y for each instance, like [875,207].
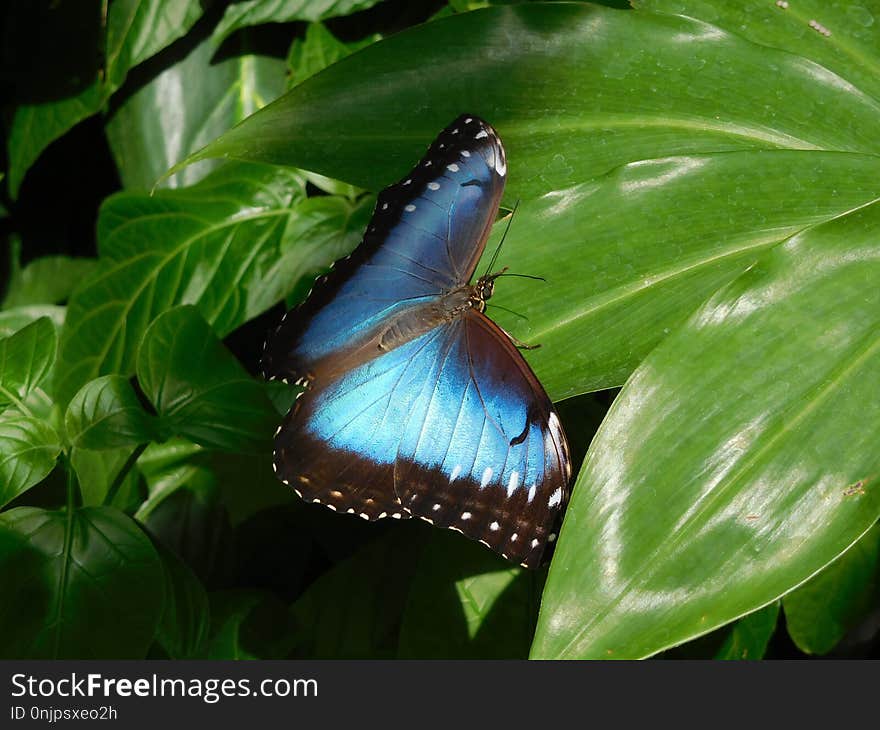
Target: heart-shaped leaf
[28,449]
[200,391]
[81,585]
[106,414]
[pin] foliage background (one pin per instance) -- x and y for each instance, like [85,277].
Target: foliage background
[697,181]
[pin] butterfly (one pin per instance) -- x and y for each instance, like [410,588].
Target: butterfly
[416,404]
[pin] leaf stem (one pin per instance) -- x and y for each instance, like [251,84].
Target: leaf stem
[123,472]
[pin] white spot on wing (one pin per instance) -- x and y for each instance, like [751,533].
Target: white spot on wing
[555,498]
[434,186]
[532,490]
[487,476]
[494,527]
[465,515]
[455,472]
[465,153]
[410,208]
[482,133]
[535,543]
[513,482]
[452,167]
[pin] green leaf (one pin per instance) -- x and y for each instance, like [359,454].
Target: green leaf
[629,256]
[35,126]
[199,390]
[646,86]
[748,638]
[26,360]
[28,449]
[322,229]
[319,49]
[186,614]
[256,12]
[819,613]
[850,48]
[248,624]
[84,585]
[97,470]
[194,524]
[228,92]
[106,414]
[738,460]
[213,245]
[354,610]
[47,280]
[136,29]
[468,603]
[17,318]
[170,466]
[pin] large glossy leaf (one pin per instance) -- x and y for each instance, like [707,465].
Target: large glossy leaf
[106,414]
[83,585]
[467,602]
[164,120]
[842,36]
[255,12]
[200,391]
[573,89]
[135,30]
[819,613]
[629,256]
[738,460]
[216,245]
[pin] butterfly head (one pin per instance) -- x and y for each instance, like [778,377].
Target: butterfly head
[483,290]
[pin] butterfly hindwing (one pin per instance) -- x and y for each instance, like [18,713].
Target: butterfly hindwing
[452,427]
[425,237]
[482,451]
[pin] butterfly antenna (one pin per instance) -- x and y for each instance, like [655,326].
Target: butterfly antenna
[522,276]
[498,306]
[501,242]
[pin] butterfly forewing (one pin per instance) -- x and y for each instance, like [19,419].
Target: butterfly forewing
[425,237]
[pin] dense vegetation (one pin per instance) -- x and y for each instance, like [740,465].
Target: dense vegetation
[697,182]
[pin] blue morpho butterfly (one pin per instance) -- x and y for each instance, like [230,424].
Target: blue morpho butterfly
[416,403]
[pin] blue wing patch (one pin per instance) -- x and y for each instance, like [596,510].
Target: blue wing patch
[425,237]
[451,427]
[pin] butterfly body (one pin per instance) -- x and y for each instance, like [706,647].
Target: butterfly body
[416,403]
